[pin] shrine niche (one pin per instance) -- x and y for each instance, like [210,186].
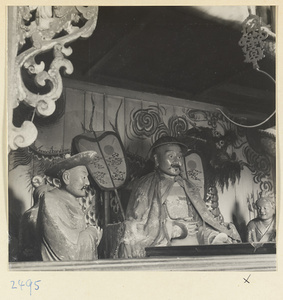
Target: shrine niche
[225,156]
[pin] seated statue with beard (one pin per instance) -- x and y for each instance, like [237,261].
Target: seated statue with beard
[166,209]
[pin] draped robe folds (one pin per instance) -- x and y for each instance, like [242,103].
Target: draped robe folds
[259,233]
[62,229]
[145,224]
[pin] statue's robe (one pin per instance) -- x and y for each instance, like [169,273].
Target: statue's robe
[62,229]
[149,221]
[258,233]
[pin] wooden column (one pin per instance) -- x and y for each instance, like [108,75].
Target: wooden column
[106,207]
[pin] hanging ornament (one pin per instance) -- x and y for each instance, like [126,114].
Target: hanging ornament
[252,40]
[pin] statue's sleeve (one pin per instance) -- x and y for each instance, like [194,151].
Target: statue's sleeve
[60,239]
[136,236]
[206,234]
[140,199]
[251,232]
[228,228]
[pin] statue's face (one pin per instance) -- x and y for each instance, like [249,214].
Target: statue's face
[76,180]
[265,210]
[169,159]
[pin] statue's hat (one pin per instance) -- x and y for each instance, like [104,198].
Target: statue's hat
[167,140]
[81,159]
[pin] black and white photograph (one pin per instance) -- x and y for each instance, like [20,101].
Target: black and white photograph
[141,138]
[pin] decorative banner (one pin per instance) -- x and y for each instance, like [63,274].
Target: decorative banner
[195,172]
[113,154]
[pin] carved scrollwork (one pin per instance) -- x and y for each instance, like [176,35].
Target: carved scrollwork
[23,136]
[47,27]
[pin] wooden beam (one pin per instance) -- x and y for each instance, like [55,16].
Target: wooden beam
[257,262]
[159,97]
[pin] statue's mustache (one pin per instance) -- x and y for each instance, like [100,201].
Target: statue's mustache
[178,166]
[85,187]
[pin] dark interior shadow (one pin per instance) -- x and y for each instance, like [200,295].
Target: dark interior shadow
[239,222]
[15,213]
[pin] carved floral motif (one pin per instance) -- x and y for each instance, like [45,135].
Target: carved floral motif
[47,28]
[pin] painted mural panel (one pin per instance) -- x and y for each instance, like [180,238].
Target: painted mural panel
[112,104]
[131,129]
[114,114]
[94,111]
[74,115]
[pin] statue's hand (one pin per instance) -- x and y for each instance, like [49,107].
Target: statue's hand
[133,251]
[192,228]
[222,238]
[97,232]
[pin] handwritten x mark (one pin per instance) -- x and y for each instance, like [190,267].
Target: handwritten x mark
[247,280]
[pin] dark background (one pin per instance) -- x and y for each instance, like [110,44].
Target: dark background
[175,51]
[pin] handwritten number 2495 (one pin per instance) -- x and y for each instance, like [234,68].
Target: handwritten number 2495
[28,283]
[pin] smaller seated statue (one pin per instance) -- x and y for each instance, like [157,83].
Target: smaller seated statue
[263,228]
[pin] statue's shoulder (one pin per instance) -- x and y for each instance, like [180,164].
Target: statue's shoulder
[52,193]
[52,197]
[252,223]
[141,181]
[148,180]
[149,176]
